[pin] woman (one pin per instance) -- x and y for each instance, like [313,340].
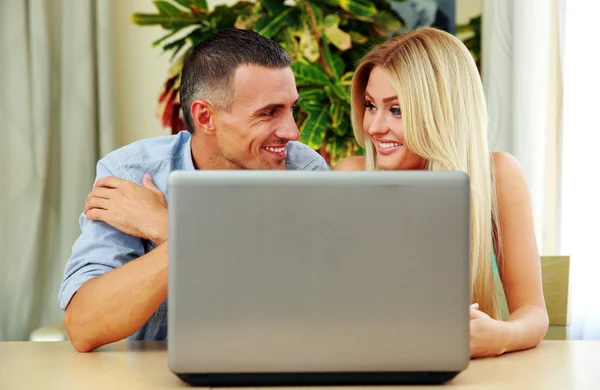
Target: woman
[418,103]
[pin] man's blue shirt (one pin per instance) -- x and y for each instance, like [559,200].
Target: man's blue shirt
[101,248]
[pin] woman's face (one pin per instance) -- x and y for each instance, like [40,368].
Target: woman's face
[383,123]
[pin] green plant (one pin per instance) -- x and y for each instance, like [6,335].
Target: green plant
[326,39]
[472,40]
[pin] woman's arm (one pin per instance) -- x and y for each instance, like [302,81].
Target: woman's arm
[519,264]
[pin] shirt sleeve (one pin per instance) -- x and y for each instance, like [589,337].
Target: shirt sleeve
[99,248]
[322,165]
[317,164]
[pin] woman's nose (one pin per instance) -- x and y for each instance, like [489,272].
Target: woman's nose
[377,127]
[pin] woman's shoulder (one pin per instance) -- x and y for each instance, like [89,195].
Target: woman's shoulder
[353,163]
[506,166]
[511,184]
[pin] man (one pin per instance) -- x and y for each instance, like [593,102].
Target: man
[238,94]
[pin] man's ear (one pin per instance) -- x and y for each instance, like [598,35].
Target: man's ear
[202,114]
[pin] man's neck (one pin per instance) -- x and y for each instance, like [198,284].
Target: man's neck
[205,154]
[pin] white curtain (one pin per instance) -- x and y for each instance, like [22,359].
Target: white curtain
[56,116]
[580,214]
[541,74]
[516,74]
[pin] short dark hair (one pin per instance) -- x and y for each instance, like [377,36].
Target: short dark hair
[209,67]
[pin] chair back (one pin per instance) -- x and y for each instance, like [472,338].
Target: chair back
[555,283]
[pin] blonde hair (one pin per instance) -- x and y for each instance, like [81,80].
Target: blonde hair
[445,122]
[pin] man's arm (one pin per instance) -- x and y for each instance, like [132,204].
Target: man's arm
[110,286]
[113,306]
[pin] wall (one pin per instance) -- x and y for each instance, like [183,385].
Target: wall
[141,69]
[466,9]
[139,73]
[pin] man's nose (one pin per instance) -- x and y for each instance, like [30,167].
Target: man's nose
[288,131]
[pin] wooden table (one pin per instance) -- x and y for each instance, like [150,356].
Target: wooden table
[565,365]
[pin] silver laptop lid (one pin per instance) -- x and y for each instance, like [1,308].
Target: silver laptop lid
[275,271]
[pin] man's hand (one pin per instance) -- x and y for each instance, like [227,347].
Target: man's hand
[140,211]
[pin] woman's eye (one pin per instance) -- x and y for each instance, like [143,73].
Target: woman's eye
[370,106]
[395,110]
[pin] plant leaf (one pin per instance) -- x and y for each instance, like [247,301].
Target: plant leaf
[224,17]
[335,147]
[315,16]
[346,79]
[166,8]
[177,50]
[312,94]
[358,37]
[162,39]
[334,62]
[198,35]
[386,22]
[175,44]
[339,91]
[357,149]
[269,26]
[312,132]
[247,22]
[338,64]
[464,29]
[309,45]
[273,7]
[176,67]
[167,22]
[361,9]
[335,3]
[142,19]
[289,42]
[313,99]
[345,126]
[202,4]
[185,3]
[469,43]
[336,111]
[337,37]
[309,74]
[310,105]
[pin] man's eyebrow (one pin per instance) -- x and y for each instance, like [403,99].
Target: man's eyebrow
[273,106]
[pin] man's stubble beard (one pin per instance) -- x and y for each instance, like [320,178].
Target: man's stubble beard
[264,165]
[222,162]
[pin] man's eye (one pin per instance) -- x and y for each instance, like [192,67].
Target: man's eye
[269,113]
[370,106]
[294,108]
[395,110]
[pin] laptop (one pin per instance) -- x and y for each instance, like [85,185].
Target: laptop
[291,278]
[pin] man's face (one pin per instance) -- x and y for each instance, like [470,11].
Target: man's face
[254,133]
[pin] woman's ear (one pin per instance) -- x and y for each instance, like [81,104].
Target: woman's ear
[202,114]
